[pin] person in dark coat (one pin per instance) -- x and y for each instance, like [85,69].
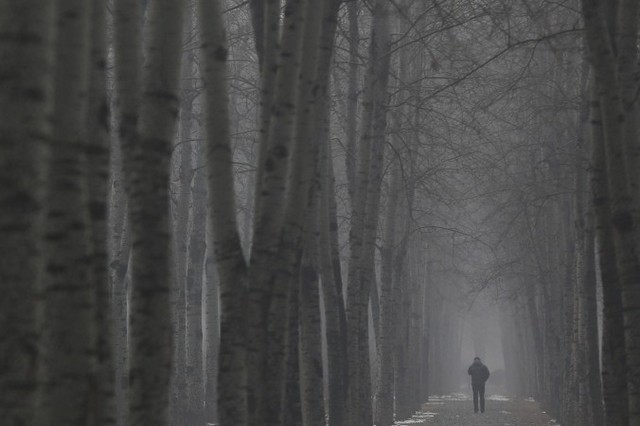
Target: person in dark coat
[479,374]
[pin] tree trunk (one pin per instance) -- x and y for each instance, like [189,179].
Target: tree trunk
[212,333]
[292,406]
[127,16]
[609,83]
[385,391]
[98,169]
[352,100]
[195,266]
[69,291]
[231,265]
[614,385]
[311,135]
[363,231]
[332,292]
[25,102]
[150,318]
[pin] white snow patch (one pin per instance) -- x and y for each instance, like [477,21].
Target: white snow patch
[505,412]
[417,418]
[498,398]
[452,397]
[530,399]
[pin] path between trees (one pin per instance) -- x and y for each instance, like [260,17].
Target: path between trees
[457,410]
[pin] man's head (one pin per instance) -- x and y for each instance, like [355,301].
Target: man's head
[477,360]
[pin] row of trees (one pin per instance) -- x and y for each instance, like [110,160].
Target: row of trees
[570,256]
[302,201]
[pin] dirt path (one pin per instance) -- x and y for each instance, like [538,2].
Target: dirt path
[457,410]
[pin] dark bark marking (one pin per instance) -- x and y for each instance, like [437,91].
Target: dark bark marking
[622,221]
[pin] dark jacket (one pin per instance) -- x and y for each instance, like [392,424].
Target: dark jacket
[479,373]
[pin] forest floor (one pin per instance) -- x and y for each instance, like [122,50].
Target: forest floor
[457,410]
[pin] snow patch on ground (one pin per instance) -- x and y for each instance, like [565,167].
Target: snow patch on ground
[498,398]
[452,397]
[417,418]
[530,399]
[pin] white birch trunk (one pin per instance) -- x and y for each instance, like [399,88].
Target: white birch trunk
[212,332]
[232,268]
[609,83]
[352,100]
[614,386]
[194,287]
[386,340]
[273,260]
[302,198]
[183,172]
[25,102]
[98,169]
[150,318]
[332,293]
[363,231]
[68,293]
[127,16]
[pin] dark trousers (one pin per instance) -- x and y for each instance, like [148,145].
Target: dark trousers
[478,392]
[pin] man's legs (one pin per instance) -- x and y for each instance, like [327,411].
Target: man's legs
[475,390]
[481,392]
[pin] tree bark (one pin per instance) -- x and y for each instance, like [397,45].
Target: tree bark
[98,118]
[212,333]
[195,267]
[150,314]
[362,235]
[226,246]
[352,100]
[331,281]
[69,290]
[609,82]
[385,392]
[25,106]
[614,385]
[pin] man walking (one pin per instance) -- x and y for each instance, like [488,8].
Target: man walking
[479,374]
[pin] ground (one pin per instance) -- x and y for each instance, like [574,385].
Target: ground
[457,410]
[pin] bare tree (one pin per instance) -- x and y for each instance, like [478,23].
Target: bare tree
[68,291]
[150,327]
[25,105]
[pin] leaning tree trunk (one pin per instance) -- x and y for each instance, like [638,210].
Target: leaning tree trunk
[25,100]
[68,293]
[150,319]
